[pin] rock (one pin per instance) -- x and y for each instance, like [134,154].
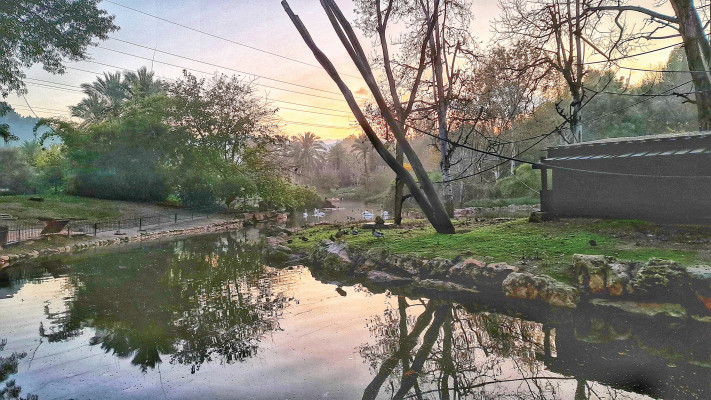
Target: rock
[404,265]
[537,217]
[332,256]
[599,275]
[524,285]
[660,280]
[642,309]
[436,268]
[444,286]
[471,271]
[591,271]
[283,248]
[386,278]
[700,281]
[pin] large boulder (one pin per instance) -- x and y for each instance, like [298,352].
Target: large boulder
[332,256]
[700,280]
[385,278]
[527,286]
[437,268]
[661,280]
[601,275]
[472,271]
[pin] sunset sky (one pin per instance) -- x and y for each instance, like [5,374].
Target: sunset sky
[262,24]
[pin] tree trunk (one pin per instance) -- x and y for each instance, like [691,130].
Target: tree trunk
[441,101]
[696,47]
[399,186]
[426,197]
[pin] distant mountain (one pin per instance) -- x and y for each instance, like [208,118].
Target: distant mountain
[328,143]
[21,127]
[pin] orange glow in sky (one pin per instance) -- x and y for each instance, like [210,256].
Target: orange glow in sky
[309,101]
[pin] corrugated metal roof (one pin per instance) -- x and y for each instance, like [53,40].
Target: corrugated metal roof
[628,155]
[632,139]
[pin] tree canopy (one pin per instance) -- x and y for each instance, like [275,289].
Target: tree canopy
[46,32]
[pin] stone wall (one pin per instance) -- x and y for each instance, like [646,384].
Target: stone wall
[11,259]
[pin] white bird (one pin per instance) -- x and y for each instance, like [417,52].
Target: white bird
[367,215]
[306,215]
[385,214]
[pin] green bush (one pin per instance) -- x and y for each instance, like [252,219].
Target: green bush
[526,182]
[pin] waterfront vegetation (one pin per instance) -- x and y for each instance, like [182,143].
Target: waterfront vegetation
[548,246]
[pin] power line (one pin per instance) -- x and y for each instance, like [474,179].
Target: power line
[40,108]
[71,88]
[674,94]
[634,104]
[220,37]
[631,55]
[208,73]
[213,65]
[318,125]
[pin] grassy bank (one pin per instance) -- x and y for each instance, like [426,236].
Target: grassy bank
[64,206]
[549,246]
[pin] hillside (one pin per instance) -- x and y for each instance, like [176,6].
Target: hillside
[21,127]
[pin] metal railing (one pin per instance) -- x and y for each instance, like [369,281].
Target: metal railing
[20,232]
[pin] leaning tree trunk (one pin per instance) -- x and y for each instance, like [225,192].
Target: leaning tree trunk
[698,53]
[425,196]
[399,186]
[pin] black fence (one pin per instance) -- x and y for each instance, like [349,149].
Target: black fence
[21,232]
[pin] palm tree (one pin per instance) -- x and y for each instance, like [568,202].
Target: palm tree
[92,108]
[362,148]
[104,96]
[307,152]
[142,83]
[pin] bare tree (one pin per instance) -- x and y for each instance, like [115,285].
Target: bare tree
[685,23]
[563,35]
[423,189]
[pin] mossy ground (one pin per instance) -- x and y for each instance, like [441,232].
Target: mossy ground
[549,246]
[64,206]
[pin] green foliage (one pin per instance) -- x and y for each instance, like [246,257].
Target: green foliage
[526,182]
[50,165]
[15,173]
[46,32]
[550,244]
[502,202]
[121,158]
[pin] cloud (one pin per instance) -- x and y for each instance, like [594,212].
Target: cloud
[362,91]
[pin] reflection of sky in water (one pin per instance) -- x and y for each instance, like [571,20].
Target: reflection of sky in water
[315,344]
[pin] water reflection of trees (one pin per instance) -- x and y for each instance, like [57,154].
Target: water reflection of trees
[448,353]
[197,301]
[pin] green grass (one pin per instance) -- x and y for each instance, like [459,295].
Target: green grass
[548,245]
[64,206]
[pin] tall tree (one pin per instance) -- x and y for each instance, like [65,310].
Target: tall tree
[423,189]
[46,32]
[308,153]
[563,35]
[362,148]
[685,23]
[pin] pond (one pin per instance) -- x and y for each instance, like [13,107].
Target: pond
[204,317]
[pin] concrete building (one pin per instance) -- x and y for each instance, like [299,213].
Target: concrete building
[662,178]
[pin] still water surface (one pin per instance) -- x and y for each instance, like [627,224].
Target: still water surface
[205,318]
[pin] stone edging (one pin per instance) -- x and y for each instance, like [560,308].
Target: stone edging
[658,288]
[12,259]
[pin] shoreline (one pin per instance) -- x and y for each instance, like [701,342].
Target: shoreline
[8,259]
